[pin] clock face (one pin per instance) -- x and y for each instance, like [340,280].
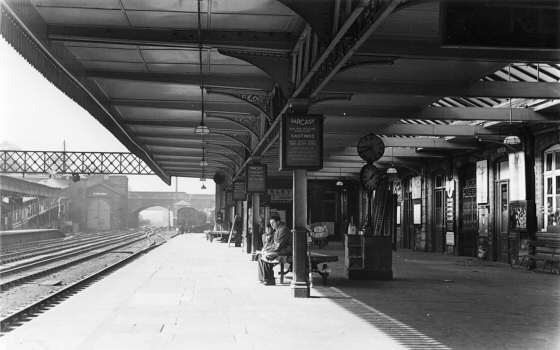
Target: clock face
[371,148]
[370,177]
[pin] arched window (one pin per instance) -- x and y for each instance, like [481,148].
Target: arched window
[552,189]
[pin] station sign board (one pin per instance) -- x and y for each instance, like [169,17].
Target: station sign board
[229,198]
[301,137]
[256,178]
[239,191]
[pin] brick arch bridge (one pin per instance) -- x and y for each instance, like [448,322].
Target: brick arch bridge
[138,201]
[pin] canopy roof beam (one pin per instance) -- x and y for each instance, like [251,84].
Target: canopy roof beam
[183,38]
[491,89]
[432,113]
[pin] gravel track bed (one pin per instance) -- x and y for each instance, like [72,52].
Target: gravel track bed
[18,297]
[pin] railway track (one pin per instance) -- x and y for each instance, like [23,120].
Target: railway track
[49,247]
[49,256]
[16,318]
[6,284]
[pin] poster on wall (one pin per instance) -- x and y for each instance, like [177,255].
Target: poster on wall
[450,238]
[518,215]
[416,187]
[483,222]
[517,176]
[417,214]
[482,181]
[301,138]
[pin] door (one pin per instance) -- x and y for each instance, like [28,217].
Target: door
[98,215]
[469,220]
[502,221]
[439,221]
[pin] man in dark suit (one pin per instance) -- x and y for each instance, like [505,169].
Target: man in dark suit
[281,245]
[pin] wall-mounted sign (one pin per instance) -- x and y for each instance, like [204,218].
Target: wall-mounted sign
[517,176]
[239,193]
[256,178]
[450,238]
[482,181]
[301,138]
[229,198]
[417,214]
[416,187]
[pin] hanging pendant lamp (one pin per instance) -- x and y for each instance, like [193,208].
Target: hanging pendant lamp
[340,183]
[392,170]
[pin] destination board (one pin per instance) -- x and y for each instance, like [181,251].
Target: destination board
[301,138]
[256,178]
[229,198]
[239,193]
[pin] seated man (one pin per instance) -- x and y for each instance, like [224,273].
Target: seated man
[281,245]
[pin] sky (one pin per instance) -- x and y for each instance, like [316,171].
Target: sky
[35,115]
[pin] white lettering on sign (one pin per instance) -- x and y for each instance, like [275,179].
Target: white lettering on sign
[99,194]
[302,122]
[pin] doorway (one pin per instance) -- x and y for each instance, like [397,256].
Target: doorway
[439,215]
[502,221]
[468,218]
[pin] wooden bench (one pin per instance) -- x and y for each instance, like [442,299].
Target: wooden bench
[316,259]
[546,249]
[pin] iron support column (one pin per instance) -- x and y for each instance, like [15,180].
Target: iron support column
[300,282]
[256,223]
[246,240]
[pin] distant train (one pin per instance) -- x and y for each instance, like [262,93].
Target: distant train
[190,220]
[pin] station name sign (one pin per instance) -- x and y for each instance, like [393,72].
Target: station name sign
[301,139]
[239,191]
[256,178]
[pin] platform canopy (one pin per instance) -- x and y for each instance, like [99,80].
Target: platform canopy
[434,79]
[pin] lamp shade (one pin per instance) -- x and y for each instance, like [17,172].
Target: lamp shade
[201,129]
[392,170]
[512,140]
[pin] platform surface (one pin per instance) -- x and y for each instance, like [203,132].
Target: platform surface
[193,294]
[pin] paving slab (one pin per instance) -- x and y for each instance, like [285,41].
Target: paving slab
[192,294]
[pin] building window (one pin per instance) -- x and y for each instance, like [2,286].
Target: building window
[552,189]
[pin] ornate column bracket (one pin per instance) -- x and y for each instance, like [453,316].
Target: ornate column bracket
[248,122]
[229,151]
[276,65]
[241,139]
[261,101]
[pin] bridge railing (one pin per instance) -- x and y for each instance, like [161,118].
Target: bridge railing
[18,217]
[35,162]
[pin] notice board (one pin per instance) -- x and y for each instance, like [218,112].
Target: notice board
[256,178]
[229,198]
[301,138]
[239,193]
